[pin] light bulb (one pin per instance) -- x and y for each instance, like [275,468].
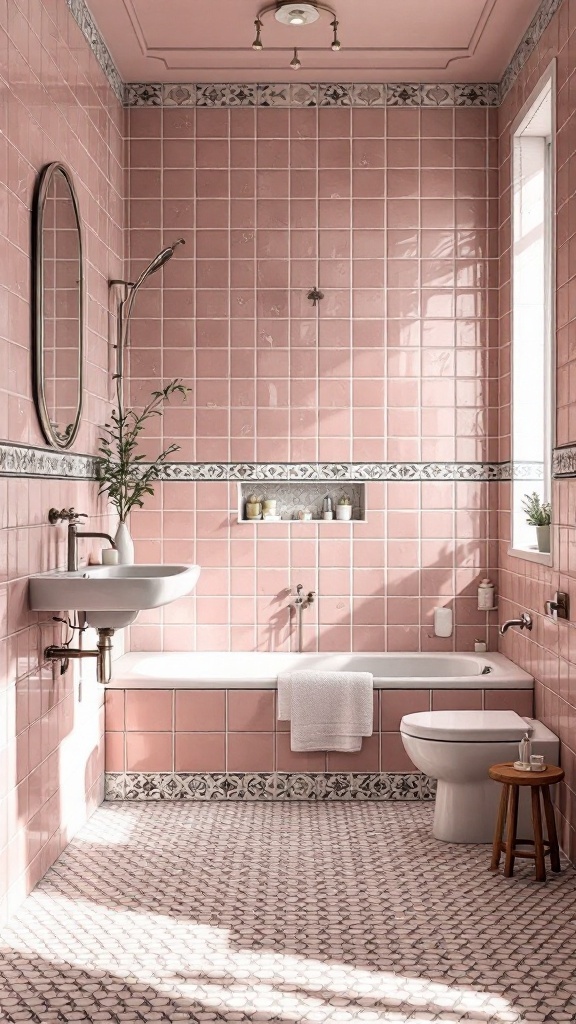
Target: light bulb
[336,44]
[295,63]
[297,17]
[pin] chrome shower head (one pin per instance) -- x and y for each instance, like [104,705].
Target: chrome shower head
[158,261]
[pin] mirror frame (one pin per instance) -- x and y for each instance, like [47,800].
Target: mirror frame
[41,192]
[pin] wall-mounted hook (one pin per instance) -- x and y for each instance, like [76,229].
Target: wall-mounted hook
[315,296]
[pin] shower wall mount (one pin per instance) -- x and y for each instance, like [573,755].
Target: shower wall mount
[126,306]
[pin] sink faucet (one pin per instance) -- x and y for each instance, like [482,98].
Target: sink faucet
[72,517]
[524,622]
[301,603]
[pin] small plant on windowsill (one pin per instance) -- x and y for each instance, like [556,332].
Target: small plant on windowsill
[539,514]
[126,475]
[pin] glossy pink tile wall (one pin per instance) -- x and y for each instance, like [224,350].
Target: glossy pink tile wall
[56,105]
[550,650]
[394,214]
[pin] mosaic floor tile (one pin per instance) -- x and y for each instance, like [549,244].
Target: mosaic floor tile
[286,913]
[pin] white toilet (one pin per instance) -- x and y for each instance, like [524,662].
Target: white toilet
[457,748]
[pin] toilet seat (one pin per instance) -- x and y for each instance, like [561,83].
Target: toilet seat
[466,726]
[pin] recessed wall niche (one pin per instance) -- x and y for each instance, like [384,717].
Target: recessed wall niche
[295,496]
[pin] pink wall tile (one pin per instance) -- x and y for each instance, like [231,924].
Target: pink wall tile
[115,700]
[394,704]
[200,752]
[365,760]
[456,700]
[393,757]
[520,701]
[251,710]
[288,760]
[149,752]
[114,747]
[200,711]
[250,752]
[149,710]
[86,131]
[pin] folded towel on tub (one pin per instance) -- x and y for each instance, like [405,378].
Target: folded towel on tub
[326,710]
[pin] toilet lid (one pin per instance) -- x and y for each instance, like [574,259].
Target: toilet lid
[465,726]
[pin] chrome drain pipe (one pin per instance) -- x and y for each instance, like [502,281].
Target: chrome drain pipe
[103,654]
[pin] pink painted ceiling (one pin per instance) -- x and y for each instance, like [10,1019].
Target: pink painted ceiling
[382,40]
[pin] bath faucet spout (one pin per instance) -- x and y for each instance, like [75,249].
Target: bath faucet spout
[524,622]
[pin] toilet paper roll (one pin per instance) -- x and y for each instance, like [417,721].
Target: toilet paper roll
[443,621]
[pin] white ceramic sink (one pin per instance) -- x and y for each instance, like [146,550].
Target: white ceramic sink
[111,595]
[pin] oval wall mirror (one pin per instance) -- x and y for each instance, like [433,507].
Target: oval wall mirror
[58,306]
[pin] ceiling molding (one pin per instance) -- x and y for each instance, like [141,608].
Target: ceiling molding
[157,93]
[202,58]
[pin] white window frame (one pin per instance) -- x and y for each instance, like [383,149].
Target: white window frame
[529,553]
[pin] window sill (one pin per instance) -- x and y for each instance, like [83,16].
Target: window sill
[532,555]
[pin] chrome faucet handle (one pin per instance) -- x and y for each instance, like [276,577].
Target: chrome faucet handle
[310,597]
[75,517]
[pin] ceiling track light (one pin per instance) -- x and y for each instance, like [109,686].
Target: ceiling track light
[296,14]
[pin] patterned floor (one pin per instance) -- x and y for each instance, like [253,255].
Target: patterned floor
[286,913]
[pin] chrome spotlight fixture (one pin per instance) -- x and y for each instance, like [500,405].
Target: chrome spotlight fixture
[295,15]
[295,63]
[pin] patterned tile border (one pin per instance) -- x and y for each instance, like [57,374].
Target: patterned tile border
[564,461]
[25,461]
[406,94]
[89,29]
[529,42]
[358,471]
[269,786]
[28,461]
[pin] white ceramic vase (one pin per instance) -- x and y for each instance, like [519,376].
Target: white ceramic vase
[124,545]
[543,539]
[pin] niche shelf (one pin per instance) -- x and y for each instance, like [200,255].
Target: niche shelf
[291,496]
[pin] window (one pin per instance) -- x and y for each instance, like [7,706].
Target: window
[532,308]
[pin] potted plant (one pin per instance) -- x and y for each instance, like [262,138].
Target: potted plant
[539,514]
[126,476]
[344,508]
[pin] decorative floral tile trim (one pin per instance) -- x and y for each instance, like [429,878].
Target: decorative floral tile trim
[371,94]
[269,786]
[528,43]
[20,460]
[89,29]
[564,461]
[335,471]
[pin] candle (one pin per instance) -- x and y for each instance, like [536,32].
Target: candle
[109,556]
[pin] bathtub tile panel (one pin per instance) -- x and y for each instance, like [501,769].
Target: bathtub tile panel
[520,701]
[393,757]
[365,760]
[115,721]
[288,760]
[149,751]
[396,703]
[251,710]
[114,751]
[199,752]
[250,752]
[200,711]
[149,710]
[457,700]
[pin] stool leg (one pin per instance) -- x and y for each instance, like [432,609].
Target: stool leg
[538,841]
[551,826]
[511,832]
[497,844]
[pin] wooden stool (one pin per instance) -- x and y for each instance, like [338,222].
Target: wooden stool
[539,782]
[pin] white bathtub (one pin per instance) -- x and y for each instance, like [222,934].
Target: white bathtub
[243,670]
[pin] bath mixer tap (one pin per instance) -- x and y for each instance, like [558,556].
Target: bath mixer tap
[300,604]
[524,622]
